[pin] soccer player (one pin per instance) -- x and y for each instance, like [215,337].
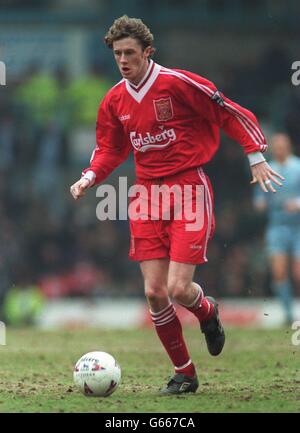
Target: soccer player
[283,231]
[170,119]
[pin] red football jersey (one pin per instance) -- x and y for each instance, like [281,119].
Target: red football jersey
[171,121]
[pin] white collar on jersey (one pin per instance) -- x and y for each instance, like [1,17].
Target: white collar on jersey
[139,91]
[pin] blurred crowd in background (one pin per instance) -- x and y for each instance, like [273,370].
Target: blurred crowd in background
[49,242]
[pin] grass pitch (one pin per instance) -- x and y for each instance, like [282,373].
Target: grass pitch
[258,371]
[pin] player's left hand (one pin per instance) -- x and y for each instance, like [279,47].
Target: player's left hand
[265,175]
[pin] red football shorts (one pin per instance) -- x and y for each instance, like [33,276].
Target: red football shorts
[172,217]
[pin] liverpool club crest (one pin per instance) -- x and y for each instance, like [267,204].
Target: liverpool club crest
[163,109]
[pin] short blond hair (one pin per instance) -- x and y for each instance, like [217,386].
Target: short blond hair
[125,27]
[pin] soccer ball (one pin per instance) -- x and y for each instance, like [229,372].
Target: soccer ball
[97,374]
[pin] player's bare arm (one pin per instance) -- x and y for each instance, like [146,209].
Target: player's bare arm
[265,175]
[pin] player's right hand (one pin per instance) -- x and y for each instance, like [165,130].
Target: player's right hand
[78,188]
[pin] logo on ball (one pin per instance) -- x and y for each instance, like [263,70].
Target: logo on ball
[97,374]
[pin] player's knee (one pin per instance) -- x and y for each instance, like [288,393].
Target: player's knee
[178,288]
[280,275]
[296,277]
[280,270]
[155,293]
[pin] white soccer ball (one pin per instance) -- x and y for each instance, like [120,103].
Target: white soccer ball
[97,374]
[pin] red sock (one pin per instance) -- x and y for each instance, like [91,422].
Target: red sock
[169,330]
[202,308]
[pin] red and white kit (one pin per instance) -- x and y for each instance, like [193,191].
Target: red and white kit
[171,122]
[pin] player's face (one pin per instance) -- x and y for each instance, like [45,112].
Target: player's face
[131,59]
[281,147]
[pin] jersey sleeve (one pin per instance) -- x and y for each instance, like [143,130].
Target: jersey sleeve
[237,122]
[111,146]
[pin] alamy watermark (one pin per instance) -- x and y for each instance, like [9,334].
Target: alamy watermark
[2,334]
[296,75]
[2,74]
[187,203]
[296,335]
